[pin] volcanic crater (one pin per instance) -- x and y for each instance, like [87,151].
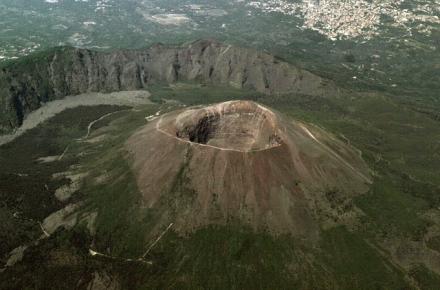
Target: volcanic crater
[240,125]
[242,161]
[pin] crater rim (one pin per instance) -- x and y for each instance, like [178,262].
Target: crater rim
[241,126]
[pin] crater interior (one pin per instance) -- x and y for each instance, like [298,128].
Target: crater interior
[236,125]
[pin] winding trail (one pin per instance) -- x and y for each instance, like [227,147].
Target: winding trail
[49,111]
[94,253]
[89,130]
[52,108]
[89,127]
[64,153]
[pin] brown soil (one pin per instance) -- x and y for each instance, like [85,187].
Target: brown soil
[241,161]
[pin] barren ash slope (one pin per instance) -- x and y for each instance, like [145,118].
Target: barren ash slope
[242,161]
[224,182]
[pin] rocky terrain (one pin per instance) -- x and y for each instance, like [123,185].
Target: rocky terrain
[26,85]
[241,161]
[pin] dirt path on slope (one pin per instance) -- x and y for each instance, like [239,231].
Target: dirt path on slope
[50,109]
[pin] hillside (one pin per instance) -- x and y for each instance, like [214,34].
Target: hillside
[36,79]
[190,192]
[244,162]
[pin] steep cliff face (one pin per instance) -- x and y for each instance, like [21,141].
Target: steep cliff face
[24,86]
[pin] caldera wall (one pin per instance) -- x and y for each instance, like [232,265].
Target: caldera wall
[25,85]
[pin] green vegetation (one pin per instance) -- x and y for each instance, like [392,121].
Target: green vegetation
[355,264]
[228,256]
[26,184]
[234,257]
[389,111]
[121,226]
[392,137]
[426,279]
[58,263]
[40,57]
[195,94]
[434,243]
[394,212]
[222,258]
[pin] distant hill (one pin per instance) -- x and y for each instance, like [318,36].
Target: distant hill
[27,83]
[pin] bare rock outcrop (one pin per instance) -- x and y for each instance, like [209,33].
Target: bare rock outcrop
[28,83]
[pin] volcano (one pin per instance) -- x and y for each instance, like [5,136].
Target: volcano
[240,161]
